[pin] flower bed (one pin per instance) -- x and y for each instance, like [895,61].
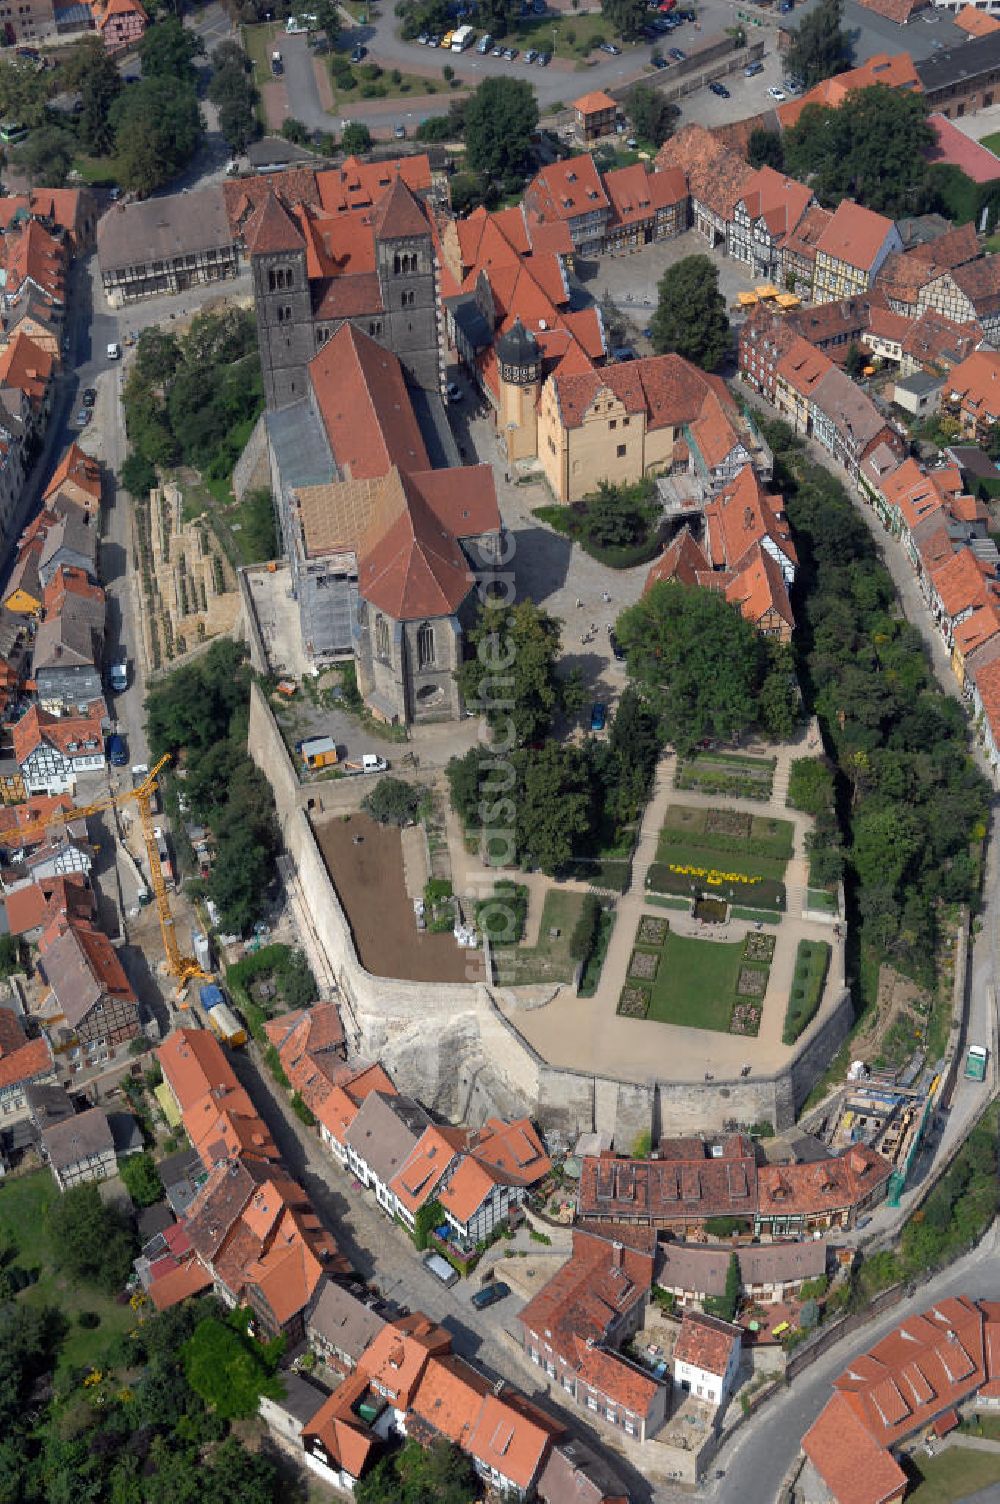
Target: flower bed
[745,1019]
[728,822]
[634,1002]
[757,947]
[652,931]
[643,965]
[764,893]
[752,982]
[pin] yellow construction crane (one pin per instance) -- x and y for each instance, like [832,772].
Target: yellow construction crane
[184,968]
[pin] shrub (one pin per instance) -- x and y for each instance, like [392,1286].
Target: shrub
[581,942]
[392,802]
[502,916]
[725,1227]
[89,1320]
[811,964]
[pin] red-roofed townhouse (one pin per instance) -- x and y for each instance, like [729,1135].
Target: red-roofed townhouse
[576,1324]
[851,250]
[706,1357]
[24,1062]
[847,423]
[800,369]
[312,1048]
[795,1200]
[503,1161]
[340,1442]
[852,1467]
[76,480]
[121,23]
[982,685]
[911,505]
[764,338]
[646,206]
[976,640]
[51,751]
[769,209]
[594,116]
[571,192]
[91,1008]
[509,1444]
[26,367]
[435,1154]
[958,587]
[972,393]
[337,1110]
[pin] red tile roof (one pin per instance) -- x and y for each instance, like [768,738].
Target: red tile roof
[365,407]
[667,388]
[179,1283]
[399,214]
[26,366]
[895,70]
[271,228]
[962,582]
[195,1066]
[595,103]
[855,235]
[65,733]
[76,469]
[509,1441]
[433,1155]
[828,1185]
[716,175]
[565,189]
[449,1399]
[706,1342]
[976,22]
[955,149]
[25,1064]
[854,1467]
[975,383]
[347,1441]
[665,1190]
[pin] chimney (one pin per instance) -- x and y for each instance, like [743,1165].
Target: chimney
[618,1254]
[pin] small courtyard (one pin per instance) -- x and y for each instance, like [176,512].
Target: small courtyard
[697,983]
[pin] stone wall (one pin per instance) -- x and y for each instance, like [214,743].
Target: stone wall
[452,1047]
[253,468]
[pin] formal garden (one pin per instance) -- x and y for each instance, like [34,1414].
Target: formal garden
[698,984]
[812,961]
[733,856]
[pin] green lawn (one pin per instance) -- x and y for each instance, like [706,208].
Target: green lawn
[549,960]
[992,143]
[952,1476]
[571,36]
[24,1202]
[758,845]
[258,43]
[696,983]
[386,86]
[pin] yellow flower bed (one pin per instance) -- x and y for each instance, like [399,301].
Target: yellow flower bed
[712,876]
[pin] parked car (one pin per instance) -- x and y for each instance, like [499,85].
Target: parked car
[510,53]
[678,54]
[83,417]
[530,55]
[752,70]
[499,52]
[720,89]
[484,45]
[454,392]
[611,49]
[660,62]
[490,1294]
[543,59]
[598,716]
[400,132]
[117,751]
[618,652]
[358,53]
[423,39]
[776,93]
[90,396]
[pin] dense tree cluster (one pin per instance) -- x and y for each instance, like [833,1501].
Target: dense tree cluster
[820,46]
[91,1242]
[499,120]
[690,315]
[913,802]
[234,94]
[706,672]
[193,398]
[199,714]
[870,149]
[651,116]
[626,16]
[438,1474]
[558,800]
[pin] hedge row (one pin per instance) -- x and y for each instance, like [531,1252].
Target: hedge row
[605,876]
[732,785]
[753,845]
[623,558]
[766,893]
[811,964]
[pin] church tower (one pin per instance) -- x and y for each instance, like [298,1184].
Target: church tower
[519,359]
[282,301]
[404,259]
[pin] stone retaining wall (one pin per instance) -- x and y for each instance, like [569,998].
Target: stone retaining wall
[451,1046]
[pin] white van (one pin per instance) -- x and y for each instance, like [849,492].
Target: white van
[441,1269]
[114,352]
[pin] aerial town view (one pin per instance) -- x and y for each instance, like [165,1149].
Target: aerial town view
[499,744]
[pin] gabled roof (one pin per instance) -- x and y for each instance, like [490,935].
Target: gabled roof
[668,388]
[339,1318]
[347,1441]
[26,1063]
[432,1156]
[77,1138]
[594,103]
[195,1065]
[410,564]
[855,235]
[744,514]
[852,1464]
[75,470]
[976,22]
[365,407]
[82,968]
[385,1131]
[70,735]
[716,175]
[706,1343]
[449,1399]
[564,190]
[506,1440]
[396,1359]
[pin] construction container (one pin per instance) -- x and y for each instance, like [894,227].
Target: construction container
[319,752]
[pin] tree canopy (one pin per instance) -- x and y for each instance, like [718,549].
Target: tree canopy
[870,149]
[690,315]
[158,128]
[141,1179]
[704,669]
[651,116]
[511,669]
[626,16]
[500,119]
[392,802]
[47,156]
[168,49]
[100,86]
[438,1474]
[820,46]
[764,149]
[90,1241]
[228,1369]
[233,92]
[357,138]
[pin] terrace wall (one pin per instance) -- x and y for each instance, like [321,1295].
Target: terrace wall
[451,1046]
